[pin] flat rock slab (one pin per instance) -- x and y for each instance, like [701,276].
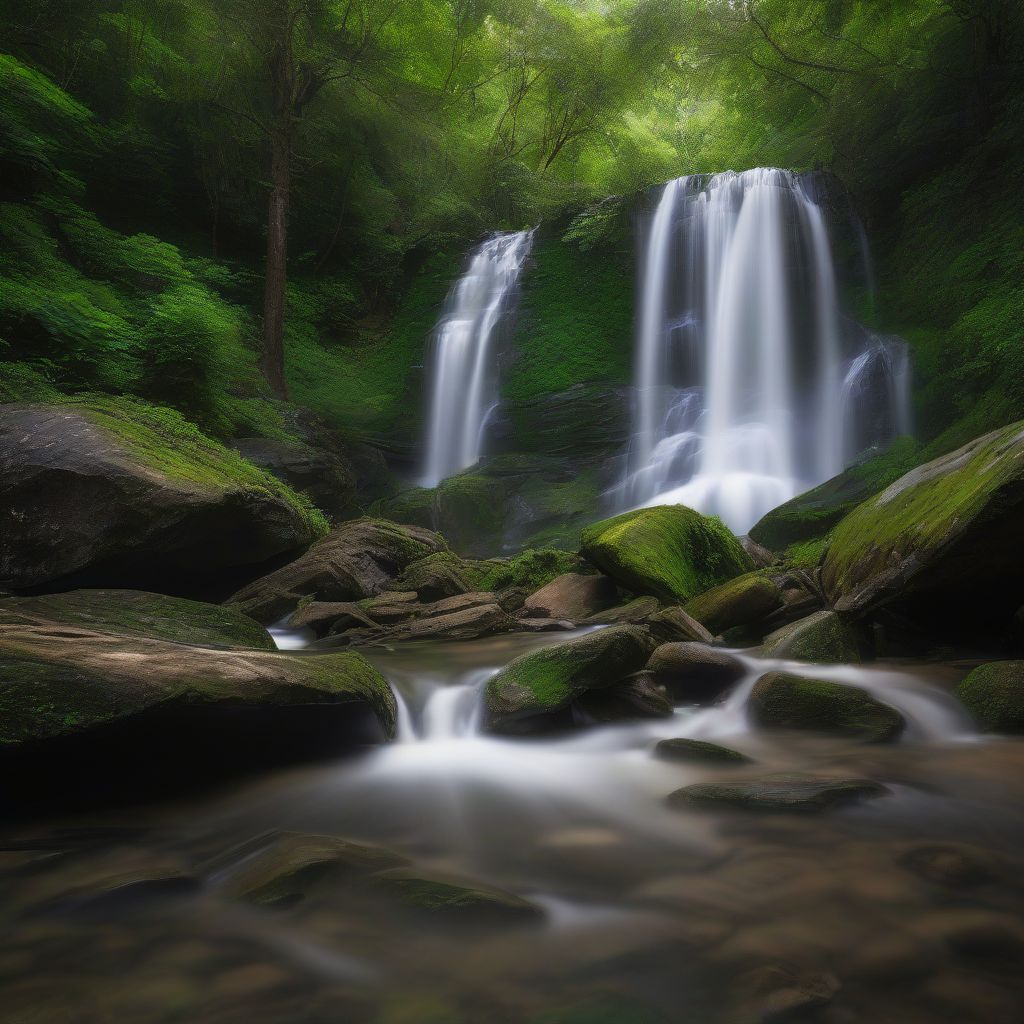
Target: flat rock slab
[785,792]
[697,751]
[572,596]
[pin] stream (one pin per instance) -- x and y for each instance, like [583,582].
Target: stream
[903,909]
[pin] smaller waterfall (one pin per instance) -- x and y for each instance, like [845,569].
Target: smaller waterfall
[461,362]
[875,397]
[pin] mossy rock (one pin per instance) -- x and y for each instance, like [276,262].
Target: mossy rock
[669,551]
[133,492]
[824,637]
[697,751]
[944,541]
[780,700]
[994,695]
[136,613]
[809,516]
[442,574]
[744,601]
[57,683]
[542,683]
[531,568]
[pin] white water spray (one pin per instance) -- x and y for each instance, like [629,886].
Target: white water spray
[462,371]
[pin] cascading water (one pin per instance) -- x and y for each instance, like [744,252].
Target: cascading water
[462,371]
[744,394]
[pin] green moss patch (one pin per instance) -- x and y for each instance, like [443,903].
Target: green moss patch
[994,695]
[669,551]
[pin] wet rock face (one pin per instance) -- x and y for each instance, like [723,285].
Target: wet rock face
[780,700]
[744,601]
[697,752]
[114,502]
[358,559]
[943,543]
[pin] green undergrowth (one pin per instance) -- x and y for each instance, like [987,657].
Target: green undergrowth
[530,569]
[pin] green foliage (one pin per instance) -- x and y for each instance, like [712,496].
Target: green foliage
[529,569]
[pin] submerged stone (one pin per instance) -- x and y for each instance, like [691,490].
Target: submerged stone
[782,792]
[456,900]
[669,551]
[700,751]
[780,700]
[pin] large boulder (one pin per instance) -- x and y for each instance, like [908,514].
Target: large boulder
[114,492]
[572,597]
[136,613]
[84,710]
[540,684]
[744,601]
[824,637]
[780,700]
[812,514]
[943,543]
[670,551]
[994,695]
[358,559]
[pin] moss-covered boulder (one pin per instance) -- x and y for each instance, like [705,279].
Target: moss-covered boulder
[442,574]
[943,542]
[783,792]
[824,637]
[669,551]
[114,492]
[994,695]
[744,601]
[136,613]
[355,560]
[780,700]
[84,712]
[812,514]
[540,684]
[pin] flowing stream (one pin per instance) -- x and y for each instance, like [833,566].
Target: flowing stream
[462,370]
[647,910]
[751,385]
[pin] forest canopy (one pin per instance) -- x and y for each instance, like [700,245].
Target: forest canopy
[198,182]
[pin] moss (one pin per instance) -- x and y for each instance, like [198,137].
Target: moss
[783,701]
[925,511]
[670,551]
[136,613]
[529,569]
[164,440]
[824,637]
[548,680]
[994,695]
[810,516]
[807,555]
[737,602]
[576,320]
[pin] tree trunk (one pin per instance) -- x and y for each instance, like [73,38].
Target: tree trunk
[277,261]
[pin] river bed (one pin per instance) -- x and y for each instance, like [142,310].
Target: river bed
[906,909]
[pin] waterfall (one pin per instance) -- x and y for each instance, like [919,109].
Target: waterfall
[462,370]
[744,395]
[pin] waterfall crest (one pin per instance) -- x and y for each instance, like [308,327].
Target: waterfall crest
[750,384]
[461,367]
